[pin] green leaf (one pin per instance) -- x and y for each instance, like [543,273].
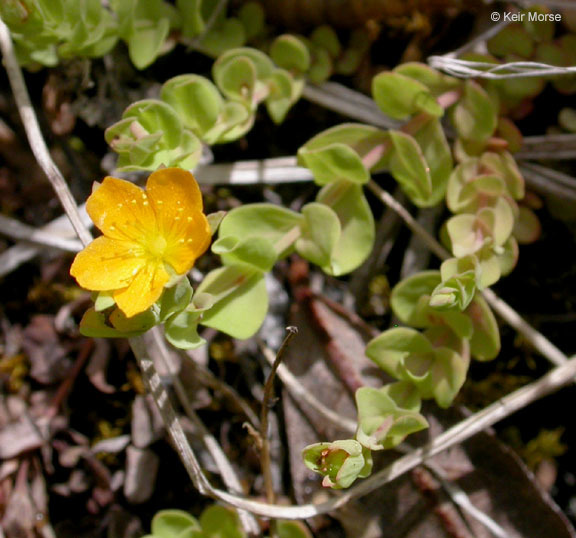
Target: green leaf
[334,162]
[436,151]
[475,116]
[154,116]
[356,224]
[320,235]
[539,29]
[340,462]
[103,300]
[291,53]
[94,325]
[220,522]
[405,297]
[147,40]
[409,168]
[321,67]
[468,190]
[292,529]
[181,330]
[381,423]
[446,376]
[368,142]
[252,17]
[241,300]
[509,257]
[485,341]
[513,39]
[195,99]
[326,38]
[175,298]
[235,120]
[236,78]
[392,347]
[172,523]
[435,81]
[263,64]
[256,252]
[504,165]
[282,89]
[137,324]
[527,227]
[455,292]
[400,97]
[214,220]
[191,17]
[228,34]
[267,221]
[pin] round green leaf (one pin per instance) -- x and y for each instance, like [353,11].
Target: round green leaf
[326,38]
[437,155]
[405,297]
[400,97]
[356,224]
[291,53]
[228,34]
[475,116]
[171,523]
[333,163]
[220,522]
[256,252]
[195,99]
[236,78]
[485,341]
[320,235]
[241,300]
[409,168]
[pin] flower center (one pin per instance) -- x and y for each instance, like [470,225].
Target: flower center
[156,247]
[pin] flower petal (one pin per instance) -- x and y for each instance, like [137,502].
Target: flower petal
[188,243]
[177,201]
[173,190]
[121,210]
[107,264]
[144,290]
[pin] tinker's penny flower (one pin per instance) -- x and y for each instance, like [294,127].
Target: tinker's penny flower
[149,236]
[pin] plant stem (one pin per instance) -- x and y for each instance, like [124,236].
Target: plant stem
[35,138]
[266,399]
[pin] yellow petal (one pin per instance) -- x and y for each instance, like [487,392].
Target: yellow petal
[121,210]
[173,188]
[107,264]
[187,243]
[143,291]
[177,201]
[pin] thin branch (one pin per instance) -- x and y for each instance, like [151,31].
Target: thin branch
[387,199]
[14,229]
[552,381]
[227,472]
[266,401]
[22,252]
[550,146]
[548,181]
[347,102]
[160,396]
[35,138]
[205,376]
[301,395]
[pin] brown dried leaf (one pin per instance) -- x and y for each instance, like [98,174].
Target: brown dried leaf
[48,360]
[141,469]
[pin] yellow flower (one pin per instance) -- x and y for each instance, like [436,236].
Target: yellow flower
[149,236]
